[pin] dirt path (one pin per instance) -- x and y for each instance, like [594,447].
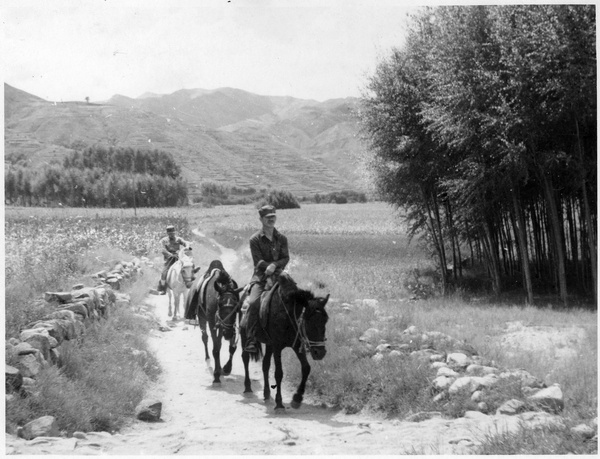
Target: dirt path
[199,418]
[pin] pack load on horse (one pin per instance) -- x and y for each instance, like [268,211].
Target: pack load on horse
[289,317]
[179,279]
[214,300]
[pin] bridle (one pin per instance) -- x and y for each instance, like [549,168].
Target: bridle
[223,323]
[300,325]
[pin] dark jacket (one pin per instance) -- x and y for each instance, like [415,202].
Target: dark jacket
[264,252]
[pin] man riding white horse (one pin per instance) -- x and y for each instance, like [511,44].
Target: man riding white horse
[171,244]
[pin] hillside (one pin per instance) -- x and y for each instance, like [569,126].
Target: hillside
[224,135]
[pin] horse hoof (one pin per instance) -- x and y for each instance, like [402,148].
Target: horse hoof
[295,404]
[280,409]
[216,383]
[247,391]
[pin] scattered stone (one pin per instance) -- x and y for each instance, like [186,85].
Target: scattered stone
[584,431]
[46,426]
[423,416]
[369,336]
[549,399]
[148,410]
[445,371]
[511,407]
[383,348]
[457,359]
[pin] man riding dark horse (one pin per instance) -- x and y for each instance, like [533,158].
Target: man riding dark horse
[170,244]
[270,256]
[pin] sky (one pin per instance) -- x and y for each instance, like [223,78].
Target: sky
[63,50]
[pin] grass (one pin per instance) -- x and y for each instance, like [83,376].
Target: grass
[359,251]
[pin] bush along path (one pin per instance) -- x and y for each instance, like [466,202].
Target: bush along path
[184,413]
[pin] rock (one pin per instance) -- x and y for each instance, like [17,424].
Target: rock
[369,336]
[58,297]
[30,364]
[445,371]
[38,340]
[46,426]
[24,349]
[437,358]
[476,396]
[371,303]
[466,383]
[148,410]
[584,431]
[438,365]
[13,378]
[80,435]
[476,415]
[377,357]
[423,416]
[511,407]
[78,308]
[439,397]
[483,407]
[77,287]
[457,359]
[412,330]
[442,383]
[383,348]
[395,353]
[549,399]
[480,370]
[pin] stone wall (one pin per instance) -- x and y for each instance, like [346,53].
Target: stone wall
[39,343]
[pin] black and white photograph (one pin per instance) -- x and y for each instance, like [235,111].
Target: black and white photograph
[300,227]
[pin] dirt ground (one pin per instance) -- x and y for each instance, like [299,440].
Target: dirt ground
[201,419]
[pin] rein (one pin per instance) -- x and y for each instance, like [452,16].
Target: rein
[300,325]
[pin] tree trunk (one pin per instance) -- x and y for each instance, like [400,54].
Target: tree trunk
[588,218]
[557,237]
[492,255]
[522,245]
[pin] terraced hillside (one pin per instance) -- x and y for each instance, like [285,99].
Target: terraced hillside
[228,136]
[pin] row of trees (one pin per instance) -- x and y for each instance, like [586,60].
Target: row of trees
[483,127]
[88,180]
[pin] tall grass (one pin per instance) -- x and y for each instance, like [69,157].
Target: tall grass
[102,378]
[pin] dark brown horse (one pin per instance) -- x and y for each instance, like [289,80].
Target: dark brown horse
[296,319]
[213,299]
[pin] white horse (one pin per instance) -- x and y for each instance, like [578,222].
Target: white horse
[179,279]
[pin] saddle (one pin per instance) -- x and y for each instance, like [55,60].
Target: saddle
[265,302]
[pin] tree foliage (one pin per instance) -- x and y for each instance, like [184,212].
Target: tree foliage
[99,177]
[483,127]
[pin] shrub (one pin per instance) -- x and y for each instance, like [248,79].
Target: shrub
[280,200]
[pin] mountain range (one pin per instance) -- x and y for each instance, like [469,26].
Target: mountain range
[225,135]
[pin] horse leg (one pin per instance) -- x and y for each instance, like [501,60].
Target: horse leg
[246,361]
[202,324]
[216,339]
[297,399]
[278,377]
[266,365]
[232,348]
[170,295]
[175,304]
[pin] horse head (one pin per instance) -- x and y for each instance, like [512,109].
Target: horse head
[187,266]
[313,318]
[227,303]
